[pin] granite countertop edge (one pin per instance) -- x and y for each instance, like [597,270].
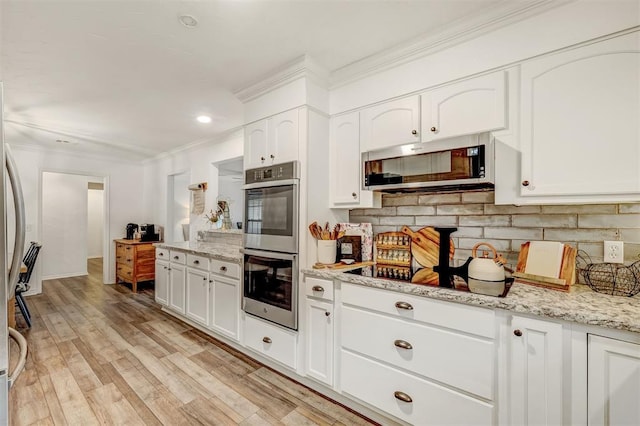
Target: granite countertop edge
[581,305]
[224,252]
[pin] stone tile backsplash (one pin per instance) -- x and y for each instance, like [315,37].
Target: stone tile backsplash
[507,227]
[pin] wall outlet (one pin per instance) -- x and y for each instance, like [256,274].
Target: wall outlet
[614,251]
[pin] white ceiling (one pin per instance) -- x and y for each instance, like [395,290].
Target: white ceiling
[126,78]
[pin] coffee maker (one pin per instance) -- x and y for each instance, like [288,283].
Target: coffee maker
[131,230]
[148,232]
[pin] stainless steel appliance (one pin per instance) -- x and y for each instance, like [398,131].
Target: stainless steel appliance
[148,232]
[10,273]
[271,208]
[271,286]
[271,243]
[464,162]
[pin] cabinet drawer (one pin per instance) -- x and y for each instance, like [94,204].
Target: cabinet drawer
[124,272]
[195,261]
[461,361]
[227,269]
[451,315]
[316,287]
[271,341]
[432,404]
[119,250]
[178,257]
[162,253]
[145,252]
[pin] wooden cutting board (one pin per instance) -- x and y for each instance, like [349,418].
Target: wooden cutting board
[343,266]
[425,249]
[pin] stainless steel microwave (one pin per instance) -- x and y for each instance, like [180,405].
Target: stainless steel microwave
[459,163]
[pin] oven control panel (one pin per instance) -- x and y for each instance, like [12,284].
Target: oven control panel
[276,172]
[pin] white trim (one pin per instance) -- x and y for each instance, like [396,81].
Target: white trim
[69,153]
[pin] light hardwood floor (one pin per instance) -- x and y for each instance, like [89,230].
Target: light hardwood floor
[99,354]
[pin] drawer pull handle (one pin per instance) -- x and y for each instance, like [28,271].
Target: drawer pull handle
[196,262]
[176,257]
[402,396]
[517,332]
[317,288]
[404,305]
[402,344]
[434,129]
[266,339]
[160,254]
[223,269]
[327,313]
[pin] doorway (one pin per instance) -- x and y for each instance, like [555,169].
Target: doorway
[73,218]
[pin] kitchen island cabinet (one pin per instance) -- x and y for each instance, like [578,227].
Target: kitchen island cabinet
[135,261]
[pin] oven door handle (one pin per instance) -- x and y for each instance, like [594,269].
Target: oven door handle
[271,184]
[275,255]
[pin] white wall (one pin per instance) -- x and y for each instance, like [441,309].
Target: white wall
[95,222]
[123,183]
[64,225]
[197,162]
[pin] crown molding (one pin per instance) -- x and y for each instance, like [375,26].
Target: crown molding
[469,27]
[28,147]
[302,66]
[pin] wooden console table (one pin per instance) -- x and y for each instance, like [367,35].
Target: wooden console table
[135,261]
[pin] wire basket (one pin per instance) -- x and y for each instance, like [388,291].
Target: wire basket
[610,278]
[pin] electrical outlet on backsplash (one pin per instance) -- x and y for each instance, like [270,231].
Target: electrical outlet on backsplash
[508,227]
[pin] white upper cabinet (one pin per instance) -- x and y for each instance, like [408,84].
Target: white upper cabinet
[345,168]
[272,141]
[580,128]
[389,124]
[467,107]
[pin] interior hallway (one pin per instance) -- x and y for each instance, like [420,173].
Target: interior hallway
[99,354]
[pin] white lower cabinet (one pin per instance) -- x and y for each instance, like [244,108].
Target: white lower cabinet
[225,305]
[320,325]
[271,341]
[161,290]
[423,361]
[197,295]
[535,374]
[613,382]
[177,278]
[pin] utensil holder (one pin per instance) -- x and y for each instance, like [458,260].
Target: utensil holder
[327,251]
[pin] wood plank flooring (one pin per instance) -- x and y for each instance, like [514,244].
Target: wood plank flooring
[99,354]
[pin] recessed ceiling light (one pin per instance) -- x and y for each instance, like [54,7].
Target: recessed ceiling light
[203,119]
[188,21]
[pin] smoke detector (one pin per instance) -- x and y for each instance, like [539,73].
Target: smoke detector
[188,21]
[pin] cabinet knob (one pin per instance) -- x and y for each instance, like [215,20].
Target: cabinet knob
[517,332]
[317,288]
[433,129]
[210,281]
[403,344]
[402,396]
[354,195]
[525,183]
[414,132]
[176,257]
[404,305]
[223,269]
[204,278]
[196,262]
[262,158]
[161,254]
[272,156]
[327,313]
[266,339]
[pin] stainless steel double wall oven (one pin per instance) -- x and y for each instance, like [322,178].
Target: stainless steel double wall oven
[271,243]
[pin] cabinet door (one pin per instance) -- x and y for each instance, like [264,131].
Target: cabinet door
[535,372]
[345,167]
[161,290]
[197,290]
[471,106]
[613,382]
[283,137]
[225,302]
[320,340]
[176,287]
[580,132]
[390,124]
[255,145]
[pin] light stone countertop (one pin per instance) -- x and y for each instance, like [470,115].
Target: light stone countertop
[581,305]
[224,252]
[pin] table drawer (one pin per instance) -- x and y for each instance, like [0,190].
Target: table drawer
[460,361]
[124,272]
[178,257]
[271,341]
[162,253]
[227,269]
[195,261]
[431,404]
[470,319]
[317,287]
